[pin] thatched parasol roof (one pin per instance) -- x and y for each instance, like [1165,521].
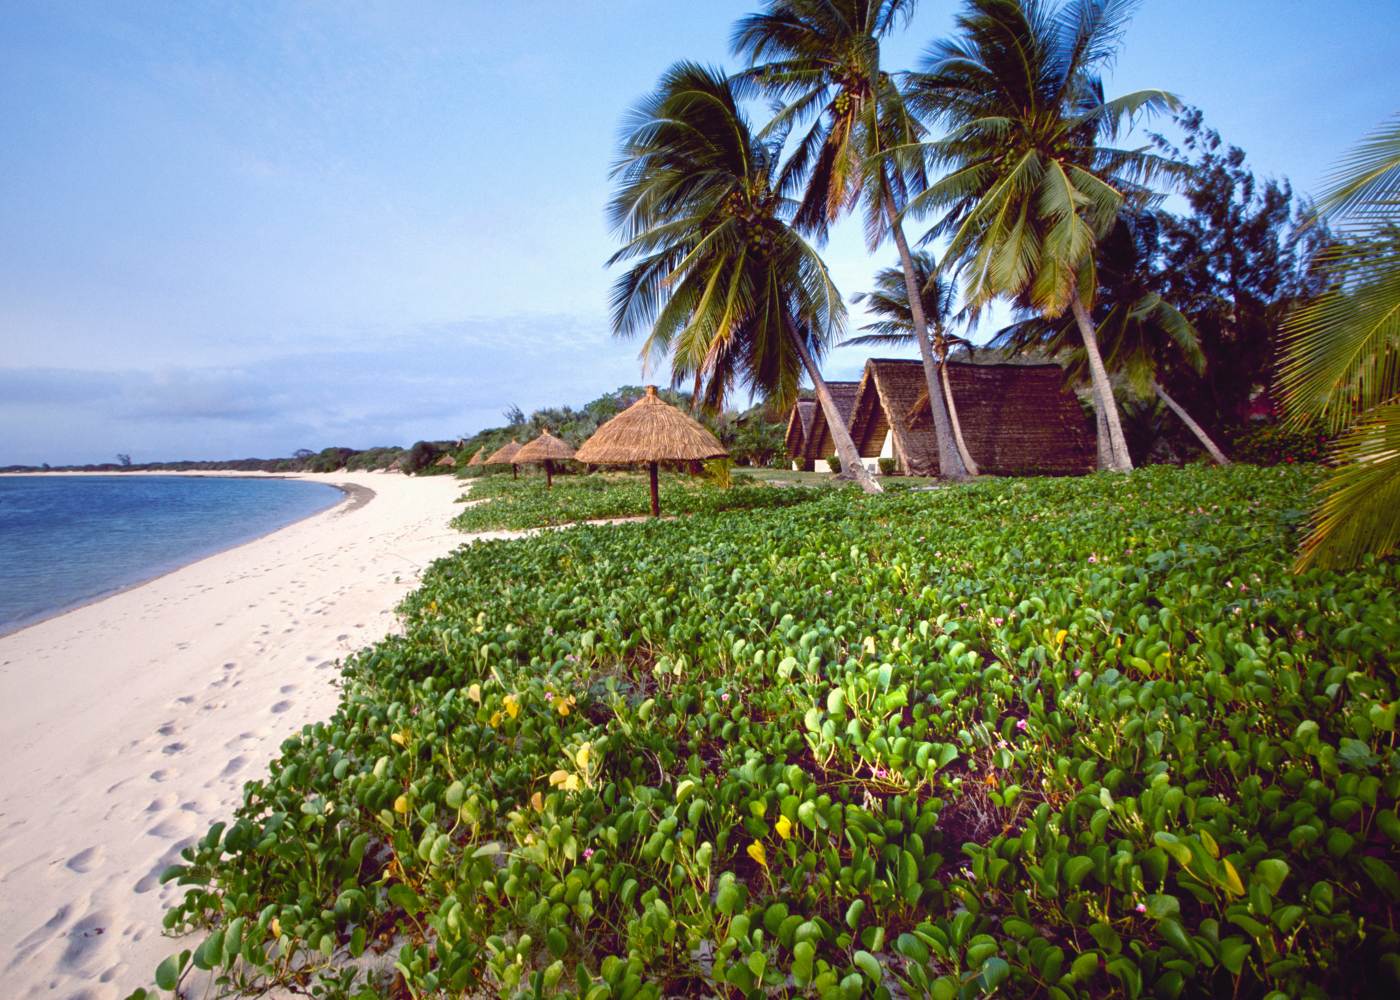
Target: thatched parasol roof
[504,455]
[546,447]
[446,461]
[477,459]
[650,430]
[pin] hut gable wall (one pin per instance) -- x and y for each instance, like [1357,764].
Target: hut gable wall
[798,427]
[1016,419]
[819,443]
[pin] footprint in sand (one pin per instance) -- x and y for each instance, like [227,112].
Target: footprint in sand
[168,729]
[160,775]
[170,749]
[234,765]
[186,700]
[86,860]
[289,688]
[280,707]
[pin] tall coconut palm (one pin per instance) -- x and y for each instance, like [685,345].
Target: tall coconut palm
[1030,185]
[721,282]
[894,325]
[1341,363]
[821,59]
[1139,333]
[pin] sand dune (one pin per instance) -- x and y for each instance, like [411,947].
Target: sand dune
[130,725]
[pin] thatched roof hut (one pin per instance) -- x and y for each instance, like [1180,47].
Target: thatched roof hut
[799,425]
[545,450]
[819,444]
[445,462]
[477,459]
[505,455]
[650,431]
[1017,419]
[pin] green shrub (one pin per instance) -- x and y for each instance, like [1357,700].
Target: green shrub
[834,463]
[1275,444]
[886,466]
[1069,737]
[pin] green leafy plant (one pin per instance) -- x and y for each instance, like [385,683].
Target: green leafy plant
[887,466]
[1073,737]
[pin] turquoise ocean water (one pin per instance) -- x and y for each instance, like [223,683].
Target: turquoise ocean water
[66,540]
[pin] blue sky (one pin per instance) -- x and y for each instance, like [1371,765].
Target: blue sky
[234,229]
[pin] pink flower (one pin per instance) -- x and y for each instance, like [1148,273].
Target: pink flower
[998,622]
[1021,725]
[724,696]
[1077,671]
[587,853]
[1093,557]
[1142,907]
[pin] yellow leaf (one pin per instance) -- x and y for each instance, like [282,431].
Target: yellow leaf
[495,719]
[784,827]
[401,804]
[474,693]
[1233,885]
[275,927]
[511,705]
[558,778]
[571,783]
[399,738]
[581,758]
[1061,636]
[537,800]
[756,851]
[563,707]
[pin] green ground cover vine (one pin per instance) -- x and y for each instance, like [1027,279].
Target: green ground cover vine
[516,505]
[1071,738]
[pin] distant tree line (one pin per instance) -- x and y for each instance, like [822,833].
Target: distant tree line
[753,437]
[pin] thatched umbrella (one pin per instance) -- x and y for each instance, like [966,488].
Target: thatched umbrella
[505,455]
[445,462]
[476,459]
[546,449]
[651,431]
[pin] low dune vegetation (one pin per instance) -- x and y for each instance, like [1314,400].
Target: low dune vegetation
[1066,737]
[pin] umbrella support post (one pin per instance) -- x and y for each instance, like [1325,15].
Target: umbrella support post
[514,472]
[548,474]
[655,494]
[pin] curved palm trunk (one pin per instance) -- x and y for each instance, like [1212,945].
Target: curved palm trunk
[1118,459]
[1210,446]
[840,433]
[972,469]
[953,460]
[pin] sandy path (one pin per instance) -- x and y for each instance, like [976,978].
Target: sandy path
[129,725]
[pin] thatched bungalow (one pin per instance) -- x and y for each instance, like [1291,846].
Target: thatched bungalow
[799,425]
[1016,419]
[818,445]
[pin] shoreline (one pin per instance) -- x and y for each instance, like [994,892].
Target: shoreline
[132,722]
[350,493]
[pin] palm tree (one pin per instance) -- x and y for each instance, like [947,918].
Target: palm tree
[894,326]
[722,283]
[1030,188]
[821,59]
[1341,363]
[1138,331]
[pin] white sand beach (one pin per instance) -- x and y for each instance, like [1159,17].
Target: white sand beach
[131,724]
